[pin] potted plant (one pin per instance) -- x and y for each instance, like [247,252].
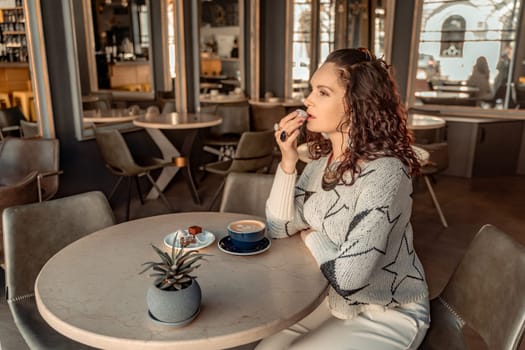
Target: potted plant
[175,295]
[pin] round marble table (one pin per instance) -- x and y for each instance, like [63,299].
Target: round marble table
[91,291]
[424,122]
[222,99]
[154,123]
[115,115]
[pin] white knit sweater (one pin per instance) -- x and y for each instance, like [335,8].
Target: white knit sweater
[362,237]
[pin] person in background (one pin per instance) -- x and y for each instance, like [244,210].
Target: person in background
[503,66]
[480,79]
[352,206]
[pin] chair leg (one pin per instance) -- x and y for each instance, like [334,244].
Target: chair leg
[115,186]
[137,182]
[130,180]
[436,203]
[162,196]
[217,193]
[191,184]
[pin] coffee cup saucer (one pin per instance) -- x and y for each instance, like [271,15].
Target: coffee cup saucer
[226,245]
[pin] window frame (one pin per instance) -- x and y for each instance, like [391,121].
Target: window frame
[456,110]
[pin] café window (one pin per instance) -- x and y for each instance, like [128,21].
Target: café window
[312,39]
[469,58]
[453,36]
[317,27]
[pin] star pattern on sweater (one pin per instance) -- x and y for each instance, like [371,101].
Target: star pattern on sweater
[392,221]
[302,192]
[404,257]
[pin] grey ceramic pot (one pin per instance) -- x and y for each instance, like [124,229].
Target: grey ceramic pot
[179,306]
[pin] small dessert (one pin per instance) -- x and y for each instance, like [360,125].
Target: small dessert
[187,240]
[194,230]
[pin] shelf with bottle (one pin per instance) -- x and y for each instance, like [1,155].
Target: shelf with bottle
[13,41]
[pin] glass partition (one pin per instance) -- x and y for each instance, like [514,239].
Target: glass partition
[316,27]
[221,38]
[468,57]
[119,45]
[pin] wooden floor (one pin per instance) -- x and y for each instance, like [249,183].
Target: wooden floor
[468,204]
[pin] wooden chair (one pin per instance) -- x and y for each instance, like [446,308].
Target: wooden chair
[33,233]
[246,193]
[483,298]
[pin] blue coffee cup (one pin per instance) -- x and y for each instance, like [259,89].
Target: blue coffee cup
[246,234]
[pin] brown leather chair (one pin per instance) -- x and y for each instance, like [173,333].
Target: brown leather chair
[254,154]
[246,193]
[120,162]
[21,156]
[33,233]
[484,297]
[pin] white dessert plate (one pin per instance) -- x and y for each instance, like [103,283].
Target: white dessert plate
[204,239]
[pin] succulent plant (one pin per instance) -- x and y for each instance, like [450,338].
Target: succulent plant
[173,272]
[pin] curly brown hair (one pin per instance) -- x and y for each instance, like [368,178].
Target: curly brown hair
[374,115]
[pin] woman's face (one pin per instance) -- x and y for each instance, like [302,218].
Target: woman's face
[325,104]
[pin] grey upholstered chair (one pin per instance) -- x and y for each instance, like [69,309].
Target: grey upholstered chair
[120,162]
[264,116]
[33,233]
[246,193]
[29,129]
[10,122]
[484,297]
[254,154]
[16,191]
[224,138]
[21,156]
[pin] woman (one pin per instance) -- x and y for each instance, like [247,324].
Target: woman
[352,207]
[480,79]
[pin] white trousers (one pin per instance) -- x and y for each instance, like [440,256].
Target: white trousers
[403,327]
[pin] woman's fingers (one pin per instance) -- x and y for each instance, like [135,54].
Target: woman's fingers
[288,126]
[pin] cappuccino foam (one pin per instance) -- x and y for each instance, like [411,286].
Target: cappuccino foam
[246,226]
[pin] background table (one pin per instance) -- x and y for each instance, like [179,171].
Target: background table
[115,115]
[423,122]
[91,290]
[175,121]
[222,98]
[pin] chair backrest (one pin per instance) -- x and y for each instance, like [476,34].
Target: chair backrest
[29,129]
[33,233]
[263,117]
[115,152]
[246,193]
[169,107]
[438,157]
[21,156]
[10,117]
[486,291]
[23,191]
[254,151]
[235,119]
